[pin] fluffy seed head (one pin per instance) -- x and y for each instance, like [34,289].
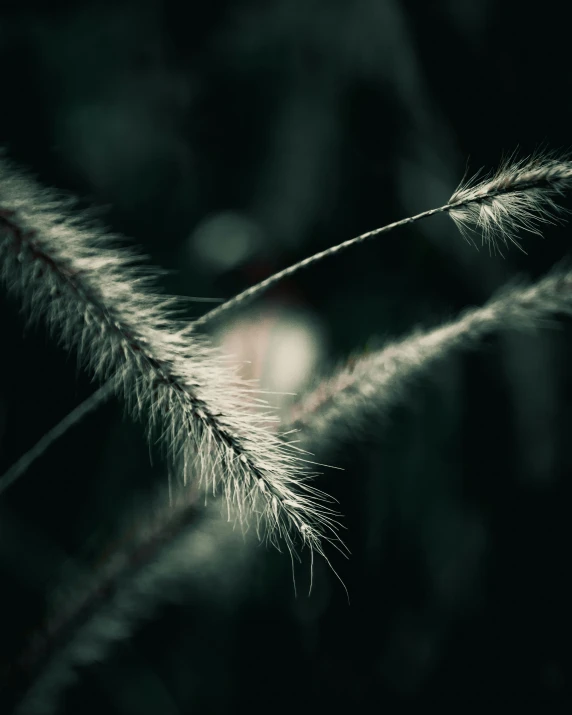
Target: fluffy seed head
[98,298]
[519,195]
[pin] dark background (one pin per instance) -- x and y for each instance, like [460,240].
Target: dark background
[228,140]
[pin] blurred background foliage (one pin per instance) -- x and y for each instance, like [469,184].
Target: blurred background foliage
[228,140]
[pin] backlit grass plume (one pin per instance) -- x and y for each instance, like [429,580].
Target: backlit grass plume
[99,298]
[520,195]
[348,402]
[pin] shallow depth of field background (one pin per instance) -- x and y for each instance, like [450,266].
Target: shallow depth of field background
[228,140]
